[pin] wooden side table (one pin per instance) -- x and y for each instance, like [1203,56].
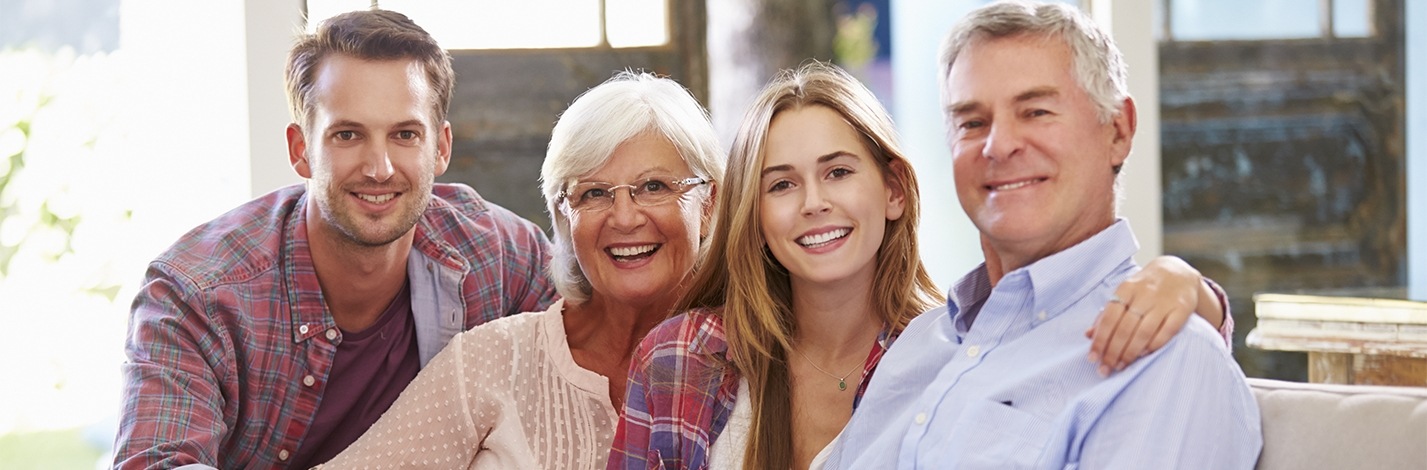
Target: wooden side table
[1349,340]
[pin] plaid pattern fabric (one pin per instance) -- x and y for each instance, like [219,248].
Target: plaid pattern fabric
[230,341]
[682,391]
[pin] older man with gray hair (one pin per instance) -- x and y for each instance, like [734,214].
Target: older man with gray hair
[1039,123]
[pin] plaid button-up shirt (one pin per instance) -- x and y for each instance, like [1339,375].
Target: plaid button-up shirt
[230,341]
[682,391]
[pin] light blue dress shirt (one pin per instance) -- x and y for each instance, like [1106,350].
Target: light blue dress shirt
[1017,391]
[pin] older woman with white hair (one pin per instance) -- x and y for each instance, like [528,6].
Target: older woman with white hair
[629,180]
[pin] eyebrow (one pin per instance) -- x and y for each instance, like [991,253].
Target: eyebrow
[963,107]
[357,125]
[821,160]
[1037,93]
[647,173]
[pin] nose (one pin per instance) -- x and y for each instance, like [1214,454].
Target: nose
[814,200]
[625,215]
[1003,141]
[378,165]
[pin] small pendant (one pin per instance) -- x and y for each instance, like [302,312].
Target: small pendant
[842,385]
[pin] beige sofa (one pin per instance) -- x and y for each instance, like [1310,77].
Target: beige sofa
[1320,426]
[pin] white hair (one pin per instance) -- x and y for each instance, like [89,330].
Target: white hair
[1097,64]
[627,105]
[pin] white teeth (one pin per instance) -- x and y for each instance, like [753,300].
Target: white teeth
[1022,184]
[632,250]
[824,237]
[376,199]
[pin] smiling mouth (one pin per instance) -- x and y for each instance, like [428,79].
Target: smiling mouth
[1016,185]
[822,239]
[376,198]
[632,253]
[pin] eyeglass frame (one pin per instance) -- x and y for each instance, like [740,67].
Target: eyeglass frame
[680,187]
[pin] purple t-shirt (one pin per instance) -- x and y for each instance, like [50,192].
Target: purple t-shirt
[371,369]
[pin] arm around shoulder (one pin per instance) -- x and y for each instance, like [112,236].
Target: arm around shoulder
[528,255]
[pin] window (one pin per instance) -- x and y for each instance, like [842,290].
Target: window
[527,24]
[1214,20]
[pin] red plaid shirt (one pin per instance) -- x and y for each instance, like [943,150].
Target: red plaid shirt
[230,341]
[681,392]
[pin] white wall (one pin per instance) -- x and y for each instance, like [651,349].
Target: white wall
[1131,23]
[207,111]
[189,116]
[271,26]
[950,244]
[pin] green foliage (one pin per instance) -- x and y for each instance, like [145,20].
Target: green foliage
[27,212]
[67,198]
[855,43]
[47,450]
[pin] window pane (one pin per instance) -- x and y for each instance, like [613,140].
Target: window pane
[487,24]
[1197,20]
[493,24]
[1350,18]
[636,23]
[1282,167]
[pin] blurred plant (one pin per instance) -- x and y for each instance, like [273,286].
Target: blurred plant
[65,231]
[855,43]
[36,209]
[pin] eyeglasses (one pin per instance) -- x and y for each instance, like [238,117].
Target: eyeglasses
[597,196]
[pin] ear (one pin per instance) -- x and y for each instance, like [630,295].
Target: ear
[896,197]
[443,149]
[708,210]
[1124,125]
[297,151]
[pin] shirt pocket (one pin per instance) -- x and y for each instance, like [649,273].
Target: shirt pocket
[991,434]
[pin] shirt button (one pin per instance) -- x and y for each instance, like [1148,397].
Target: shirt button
[331,334]
[308,381]
[302,329]
[921,418]
[282,455]
[973,351]
[1041,316]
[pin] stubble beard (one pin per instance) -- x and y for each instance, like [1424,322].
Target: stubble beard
[362,232]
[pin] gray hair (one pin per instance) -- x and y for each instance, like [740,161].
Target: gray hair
[1098,66]
[627,105]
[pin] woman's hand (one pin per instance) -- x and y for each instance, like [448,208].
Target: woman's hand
[1149,309]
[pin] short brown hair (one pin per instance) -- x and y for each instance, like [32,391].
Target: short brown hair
[368,35]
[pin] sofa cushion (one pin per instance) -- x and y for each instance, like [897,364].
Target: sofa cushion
[1309,426]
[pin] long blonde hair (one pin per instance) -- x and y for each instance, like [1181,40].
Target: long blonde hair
[741,275]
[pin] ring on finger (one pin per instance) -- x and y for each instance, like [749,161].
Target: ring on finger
[1116,300]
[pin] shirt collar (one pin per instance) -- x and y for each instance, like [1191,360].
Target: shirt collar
[1056,281]
[966,296]
[709,339]
[1063,278]
[304,292]
[309,308]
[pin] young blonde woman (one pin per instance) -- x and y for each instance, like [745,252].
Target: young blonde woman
[812,274]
